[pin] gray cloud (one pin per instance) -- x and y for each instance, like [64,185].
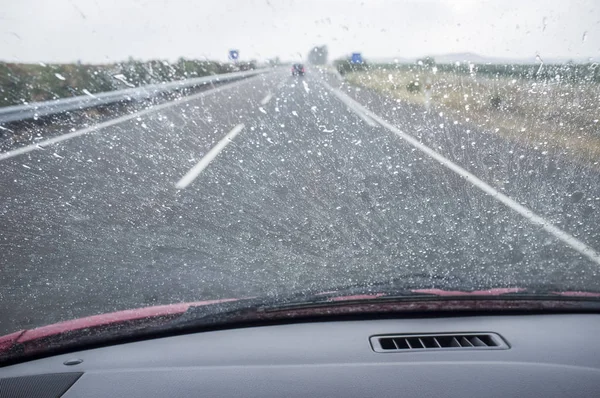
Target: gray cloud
[113,30]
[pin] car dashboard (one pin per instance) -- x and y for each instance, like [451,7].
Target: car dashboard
[538,355]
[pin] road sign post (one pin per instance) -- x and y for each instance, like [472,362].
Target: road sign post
[234,55]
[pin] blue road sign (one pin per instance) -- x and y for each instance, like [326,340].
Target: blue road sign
[234,54]
[356,58]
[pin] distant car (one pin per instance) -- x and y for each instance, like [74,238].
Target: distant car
[297,70]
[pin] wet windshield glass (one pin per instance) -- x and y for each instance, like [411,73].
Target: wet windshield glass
[164,152]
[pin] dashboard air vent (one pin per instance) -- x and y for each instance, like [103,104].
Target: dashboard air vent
[450,341]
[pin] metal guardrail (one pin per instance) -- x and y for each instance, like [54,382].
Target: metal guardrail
[46,108]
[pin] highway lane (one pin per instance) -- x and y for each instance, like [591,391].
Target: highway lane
[70,212]
[306,197]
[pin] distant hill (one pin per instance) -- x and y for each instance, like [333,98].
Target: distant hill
[451,58]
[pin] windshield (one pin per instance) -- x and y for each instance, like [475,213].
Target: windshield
[156,153]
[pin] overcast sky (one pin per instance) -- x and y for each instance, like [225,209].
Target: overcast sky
[96,31]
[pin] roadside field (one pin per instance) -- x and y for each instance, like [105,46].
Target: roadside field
[560,115]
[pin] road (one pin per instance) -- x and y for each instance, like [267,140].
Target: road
[305,195]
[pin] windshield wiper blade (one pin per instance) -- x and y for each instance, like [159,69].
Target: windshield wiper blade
[254,309]
[417,288]
[250,312]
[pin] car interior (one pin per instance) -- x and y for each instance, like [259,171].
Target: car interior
[451,355]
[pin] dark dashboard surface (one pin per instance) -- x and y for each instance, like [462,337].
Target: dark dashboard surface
[546,356]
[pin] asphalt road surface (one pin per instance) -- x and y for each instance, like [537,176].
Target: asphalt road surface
[304,193]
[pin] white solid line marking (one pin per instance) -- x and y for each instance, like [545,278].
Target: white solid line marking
[265,100]
[214,151]
[558,233]
[112,122]
[360,113]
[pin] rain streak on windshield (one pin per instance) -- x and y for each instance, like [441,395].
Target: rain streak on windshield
[158,153]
